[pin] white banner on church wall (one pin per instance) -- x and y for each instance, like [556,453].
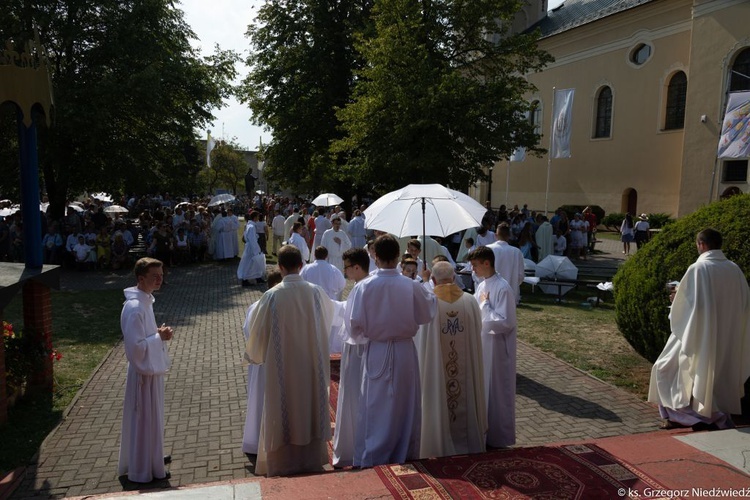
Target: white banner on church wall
[519,154]
[562,115]
[735,131]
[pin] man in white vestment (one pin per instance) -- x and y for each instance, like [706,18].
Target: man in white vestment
[253,262]
[508,260]
[698,380]
[387,310]
[277,225]
[231,241]
[356,267]
[322,224]
[289,223]
[431,248]
[449,348]
[256,384]
[298,241]
[498,306]
[543,237]
[337,242]
[356,230]
[142,444]
[289,334]
[216,244]
[332,281]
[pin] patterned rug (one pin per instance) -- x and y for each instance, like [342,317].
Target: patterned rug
[333,396]
[566,472]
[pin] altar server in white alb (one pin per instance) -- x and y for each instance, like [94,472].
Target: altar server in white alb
[298,241]
[498,305]
[387,310]
[329,278]
[698,380]
[289,334]
[337,242]
[142,445]
[253,262]
[454,413]
[356,267]
[256,384]
[508,260]
[356,230]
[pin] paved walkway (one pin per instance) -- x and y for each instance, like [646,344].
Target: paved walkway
[206,394]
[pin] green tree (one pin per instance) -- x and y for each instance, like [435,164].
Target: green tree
[229,164]
[302,59]
[438,100]
[128,88]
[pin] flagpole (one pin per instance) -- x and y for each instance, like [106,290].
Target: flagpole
[507,184]
[549,154]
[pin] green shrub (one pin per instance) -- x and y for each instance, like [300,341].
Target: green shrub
[659,220]
[613,221]
[641,296]
[571,210]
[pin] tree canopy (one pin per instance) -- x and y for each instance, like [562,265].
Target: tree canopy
[422,90]
[129,90]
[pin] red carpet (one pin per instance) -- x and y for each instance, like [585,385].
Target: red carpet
[566,472]
[333,397]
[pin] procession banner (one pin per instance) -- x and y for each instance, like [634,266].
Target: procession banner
[562,115]
[735,131]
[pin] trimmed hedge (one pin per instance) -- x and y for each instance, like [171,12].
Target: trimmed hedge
[641,296]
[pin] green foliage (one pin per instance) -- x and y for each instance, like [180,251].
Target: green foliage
[613,221]
[228,166]
[438,100]
[659,220]
[129,90]
[641,296]
[571,210]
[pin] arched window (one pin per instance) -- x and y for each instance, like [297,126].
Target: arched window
[740,76]
[676,97]
[603,113]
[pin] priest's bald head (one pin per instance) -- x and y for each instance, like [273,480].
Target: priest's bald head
[290,260]
[443,273]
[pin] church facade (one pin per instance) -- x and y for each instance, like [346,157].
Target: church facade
[651,80]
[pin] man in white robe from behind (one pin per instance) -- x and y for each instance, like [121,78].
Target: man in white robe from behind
[322,224]
[337,242]
[229,235]
[698,380]
[508,260]
[498,306]
[449,348]
[332,281]
[289,334]
[298,241]
[142,443]
[543,237]
[387,310]
[253,262]
[356,267]
[356,230]
[256,384]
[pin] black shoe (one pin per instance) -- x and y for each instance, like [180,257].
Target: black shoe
[260,280]
[167,459]
[246,283]
[166,476]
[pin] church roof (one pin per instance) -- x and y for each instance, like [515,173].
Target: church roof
[574,13]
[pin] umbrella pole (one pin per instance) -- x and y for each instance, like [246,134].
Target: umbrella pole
[424,236]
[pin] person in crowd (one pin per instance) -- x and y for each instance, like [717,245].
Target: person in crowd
[277,226]
[454,412]
[698,379]
[198,244]
[508,260]
[298,241]
[261,229]
[627,233]
[497,303]
[256,383]
[356,230]
[82,253]
[52,246]
[578,230]
[119,252]
[324,274]
[181,245]
[103,250]
[337,242]
[590,217]
[231,240]
[390,414]
[252,265]
[356,267]
[544,237]
[322,224]
[527,243]
[289,223]
[142,456]
[641,233]
[296,421]
[560,243]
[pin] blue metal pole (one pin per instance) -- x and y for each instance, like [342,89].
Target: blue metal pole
[32,221]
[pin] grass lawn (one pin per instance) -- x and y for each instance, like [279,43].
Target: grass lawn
[85,327]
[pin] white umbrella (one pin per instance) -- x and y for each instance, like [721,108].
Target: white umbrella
[75,206]
[327,200]
[529,265]
[43,206]
[220,198]
[102,197]
[262,192]
[555,268]
[115,209]
[5,212]
[182,204]
[426,209]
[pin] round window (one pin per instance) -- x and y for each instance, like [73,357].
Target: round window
[640,54]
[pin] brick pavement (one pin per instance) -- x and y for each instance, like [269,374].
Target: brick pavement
[206,394]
